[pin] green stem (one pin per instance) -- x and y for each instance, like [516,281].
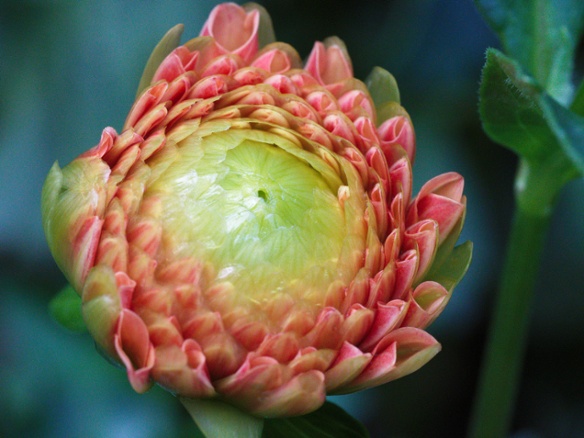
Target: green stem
[219,419]
[507,341]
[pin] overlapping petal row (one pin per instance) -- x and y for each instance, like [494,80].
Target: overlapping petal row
[329,300]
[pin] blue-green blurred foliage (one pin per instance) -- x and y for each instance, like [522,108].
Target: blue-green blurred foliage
[70,68]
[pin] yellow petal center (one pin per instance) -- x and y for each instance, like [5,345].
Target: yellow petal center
[251,205]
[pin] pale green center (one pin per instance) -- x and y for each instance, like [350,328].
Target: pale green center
[252,205]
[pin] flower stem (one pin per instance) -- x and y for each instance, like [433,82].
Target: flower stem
[503,360]
[218,419]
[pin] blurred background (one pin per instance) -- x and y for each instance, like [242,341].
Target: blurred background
[70,68]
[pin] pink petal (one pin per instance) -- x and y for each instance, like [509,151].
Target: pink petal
[153,299]
[249,76]
[339,124]
[387,318]
[282,346]
[441,200]
[400,174]
[357,291]
[147,100]
[397,213]
[299,321]
[124,141]
[367,135]
[406,269]
[357,323]
[113,252]
[145,234]
[349,363]
[358,161]
[273,61]
[252,379]
[165,331]
[356,104]
[379,204]
[382,285]
[125,288]
[302,394]
[210,86]
[127,159]
[182,369]
[327,329]
[132,343]
[106,142]
[426,303]
[282,83]
[222,65]
[377,161]
[310,358]
[401,352]
[397,131]
[329,64]
[249,333]
[300,109]
[179,61]
[423,238]
[322,101]
[234,29]
[85,245]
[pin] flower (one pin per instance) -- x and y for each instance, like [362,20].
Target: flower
[250,235]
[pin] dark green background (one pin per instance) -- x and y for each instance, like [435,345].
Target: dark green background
[70,68]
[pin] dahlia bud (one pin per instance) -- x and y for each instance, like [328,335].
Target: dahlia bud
[250,235]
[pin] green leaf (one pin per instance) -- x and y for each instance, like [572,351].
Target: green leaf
[517,113]
[167,44]
[577,105]
[330,421]
[65,308]
[542,35]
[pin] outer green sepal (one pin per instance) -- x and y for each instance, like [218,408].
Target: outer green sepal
[65,308]
[330,421]
[451,271]
[383,89]
[216,418]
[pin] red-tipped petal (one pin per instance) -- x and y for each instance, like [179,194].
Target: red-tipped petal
[401,352]
[387,318]
[441,200]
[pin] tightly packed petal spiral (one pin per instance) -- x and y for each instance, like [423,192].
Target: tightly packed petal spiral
[251,234]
